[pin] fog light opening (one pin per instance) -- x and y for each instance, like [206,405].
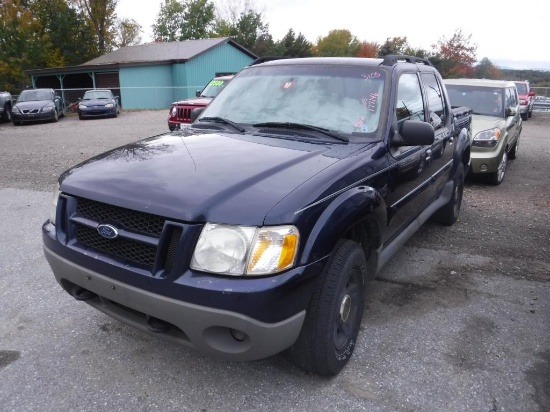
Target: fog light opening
[483,167]
[237,335]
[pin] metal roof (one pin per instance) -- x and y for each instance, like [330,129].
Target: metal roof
[163,52]
[146,54]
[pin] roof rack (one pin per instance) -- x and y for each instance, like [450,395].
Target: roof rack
[264,59]
[392,59]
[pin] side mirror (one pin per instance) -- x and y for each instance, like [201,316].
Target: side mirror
[198,93]
[511,111]
[196,112]
[414,133]
[532,94]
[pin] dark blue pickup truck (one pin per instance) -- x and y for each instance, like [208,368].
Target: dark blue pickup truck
[255,230]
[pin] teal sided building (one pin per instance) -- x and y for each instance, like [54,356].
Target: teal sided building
[149,76]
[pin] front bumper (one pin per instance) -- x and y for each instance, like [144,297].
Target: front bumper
[489,156]
[230,320]
[32,117]
[102,112]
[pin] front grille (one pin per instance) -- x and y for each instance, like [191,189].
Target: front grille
[184,114]
[172,247]
[131,220]
[140,237]
[120,247]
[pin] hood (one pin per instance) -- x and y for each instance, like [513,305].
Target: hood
[199,101]
[216,177]
[35,104]
[481,122]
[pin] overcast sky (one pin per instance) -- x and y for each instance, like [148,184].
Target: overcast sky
[502,29]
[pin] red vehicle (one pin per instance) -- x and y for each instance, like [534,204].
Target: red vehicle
[526,99]
[180,112]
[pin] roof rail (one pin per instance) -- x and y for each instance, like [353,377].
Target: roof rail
[392,59]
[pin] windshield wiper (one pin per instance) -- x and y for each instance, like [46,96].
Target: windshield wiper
[224,121]
[300,126]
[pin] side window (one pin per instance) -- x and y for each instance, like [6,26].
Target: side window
[436,105]
[409,105]
[514,93]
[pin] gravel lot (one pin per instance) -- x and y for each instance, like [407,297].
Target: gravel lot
[459,320]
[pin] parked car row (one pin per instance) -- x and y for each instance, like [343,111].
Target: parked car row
[541,103]
[34,105]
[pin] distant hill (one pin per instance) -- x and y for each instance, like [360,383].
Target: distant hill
[508,64]
[540,78]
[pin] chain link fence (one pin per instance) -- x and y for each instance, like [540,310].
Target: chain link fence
[135,97]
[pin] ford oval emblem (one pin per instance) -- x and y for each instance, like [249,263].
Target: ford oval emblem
[107,231]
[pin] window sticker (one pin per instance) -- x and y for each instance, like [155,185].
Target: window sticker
[373,75]
[370,102]
[361,125]
[216,83]
[287,85]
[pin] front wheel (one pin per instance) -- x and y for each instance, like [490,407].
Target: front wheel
[55,116]
[497,177]
[6,116]
[330,330]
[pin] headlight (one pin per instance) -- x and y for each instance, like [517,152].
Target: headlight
[109,105]
[48,108]
[245,250]
[487,137]
[15,109]
[53,208]
[82,106]
[173,111]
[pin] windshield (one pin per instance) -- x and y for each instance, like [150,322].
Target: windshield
[34,95]
[344,99]
[482,100]
[97,94]
[522,88]
[214,87]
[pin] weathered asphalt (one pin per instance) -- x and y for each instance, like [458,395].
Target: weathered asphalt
[459,320]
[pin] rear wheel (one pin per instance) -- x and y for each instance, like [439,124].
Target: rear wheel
[497,177]
[330,330]
[513,153]
[448,214]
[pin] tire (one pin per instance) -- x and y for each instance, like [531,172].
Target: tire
[497,177]
[331,326]
[6,116]
[513,153]
[530,113]
[80,116]
[524,116]
[448,213]
[55,116]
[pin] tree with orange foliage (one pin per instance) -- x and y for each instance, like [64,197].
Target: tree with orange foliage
[368,49]
[457,55]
